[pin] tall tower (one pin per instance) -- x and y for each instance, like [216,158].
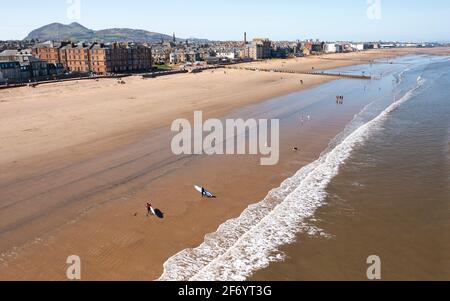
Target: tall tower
[174,38]
[245,38]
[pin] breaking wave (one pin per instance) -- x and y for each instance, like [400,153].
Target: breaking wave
[250,242]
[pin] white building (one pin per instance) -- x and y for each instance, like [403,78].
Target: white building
[173,58]
[384,46]
[358,46]
[232,55]
[329,48]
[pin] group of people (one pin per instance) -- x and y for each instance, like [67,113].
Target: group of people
[159,214]
[303,119]
[340,100]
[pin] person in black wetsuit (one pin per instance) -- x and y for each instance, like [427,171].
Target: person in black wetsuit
[150,210]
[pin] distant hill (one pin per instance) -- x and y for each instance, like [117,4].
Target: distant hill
[77,32]
[58,31]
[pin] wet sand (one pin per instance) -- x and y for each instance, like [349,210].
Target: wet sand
[336,60]
[78,161]
[390,199]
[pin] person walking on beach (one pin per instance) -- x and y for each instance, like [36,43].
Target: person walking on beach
[150,210]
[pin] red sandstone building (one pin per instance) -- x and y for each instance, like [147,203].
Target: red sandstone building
[97,58]
[75,57]
[49,51]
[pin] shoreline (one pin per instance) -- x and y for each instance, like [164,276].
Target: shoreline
[376,203]
[115,245]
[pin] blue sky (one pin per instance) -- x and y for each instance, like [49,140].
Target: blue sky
[412,20]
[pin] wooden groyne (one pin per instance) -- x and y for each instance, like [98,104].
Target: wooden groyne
[53,81]
[324,73]
[163,73]
[191,70]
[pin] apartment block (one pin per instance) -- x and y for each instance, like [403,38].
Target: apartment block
[75,57]
[261,49]
[97,58]
[49,51]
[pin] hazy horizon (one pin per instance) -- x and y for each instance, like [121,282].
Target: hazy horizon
[355,20]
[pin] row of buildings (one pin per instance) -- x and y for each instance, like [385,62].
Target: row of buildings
[97,58]
[50,60]
[16,44]
[22,66]
[176,53]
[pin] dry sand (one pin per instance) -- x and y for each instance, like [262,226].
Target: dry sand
[56,116]
[79,160]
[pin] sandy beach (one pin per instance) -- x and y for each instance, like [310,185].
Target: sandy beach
[336,60]
[79,160]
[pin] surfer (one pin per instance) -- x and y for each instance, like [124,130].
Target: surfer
[154,212]
[204,192]
[150,210]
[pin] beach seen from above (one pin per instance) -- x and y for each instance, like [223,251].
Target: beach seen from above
[79,160]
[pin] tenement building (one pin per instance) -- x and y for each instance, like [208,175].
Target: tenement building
[97,58]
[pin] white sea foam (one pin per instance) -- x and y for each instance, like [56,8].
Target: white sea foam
[250,242]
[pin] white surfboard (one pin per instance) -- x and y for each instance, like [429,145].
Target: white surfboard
[205,192]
